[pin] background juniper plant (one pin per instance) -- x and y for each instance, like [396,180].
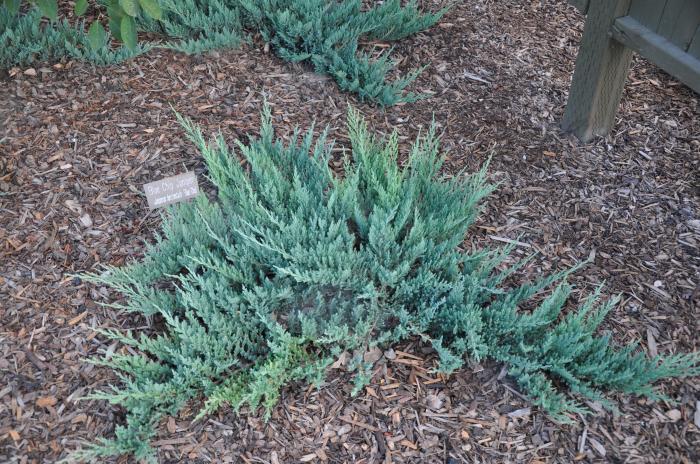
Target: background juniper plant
[290,266]
[25,39]
[324,33]
[327,33]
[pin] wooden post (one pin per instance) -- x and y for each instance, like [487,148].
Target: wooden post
[601,70]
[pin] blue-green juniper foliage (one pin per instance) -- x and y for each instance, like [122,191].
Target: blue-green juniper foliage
[24,39]
[292,265]
[324,33]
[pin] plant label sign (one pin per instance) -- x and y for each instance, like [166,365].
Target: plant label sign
[171,190]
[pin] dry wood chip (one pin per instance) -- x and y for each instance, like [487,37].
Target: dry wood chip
[391,386]
[502,422]
[78,318]
[408,444]
[674,414]
[582,441]
[510,241]
[404,354]
[651,342]
[372,355]
[86,220]
[597,446]
[396,418]
[409,362]
[7,389]
[434,402]
[356,423]
[173,441]
[519,413]
[321,454]
[341,361]
[82,417]
[45,401]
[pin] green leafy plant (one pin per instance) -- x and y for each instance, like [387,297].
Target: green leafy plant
[291,266]
[122,15]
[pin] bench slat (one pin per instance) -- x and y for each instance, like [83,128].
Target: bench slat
[659,50]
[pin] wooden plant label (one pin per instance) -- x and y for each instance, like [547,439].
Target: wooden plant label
[171,190]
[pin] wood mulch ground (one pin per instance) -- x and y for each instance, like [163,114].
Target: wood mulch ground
[77,143]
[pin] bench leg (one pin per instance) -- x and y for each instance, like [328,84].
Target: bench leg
[601,70]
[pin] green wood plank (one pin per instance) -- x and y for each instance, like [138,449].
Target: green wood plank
[658,50]
[671,15]
[582,5]
[648,12]
[686,24]
[601,70]
[694,48]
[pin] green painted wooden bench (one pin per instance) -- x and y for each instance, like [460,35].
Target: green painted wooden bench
[666,32]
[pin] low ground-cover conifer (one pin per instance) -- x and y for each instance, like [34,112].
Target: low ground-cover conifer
[291,266]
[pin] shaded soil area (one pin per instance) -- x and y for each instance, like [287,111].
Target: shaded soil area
[77,143]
